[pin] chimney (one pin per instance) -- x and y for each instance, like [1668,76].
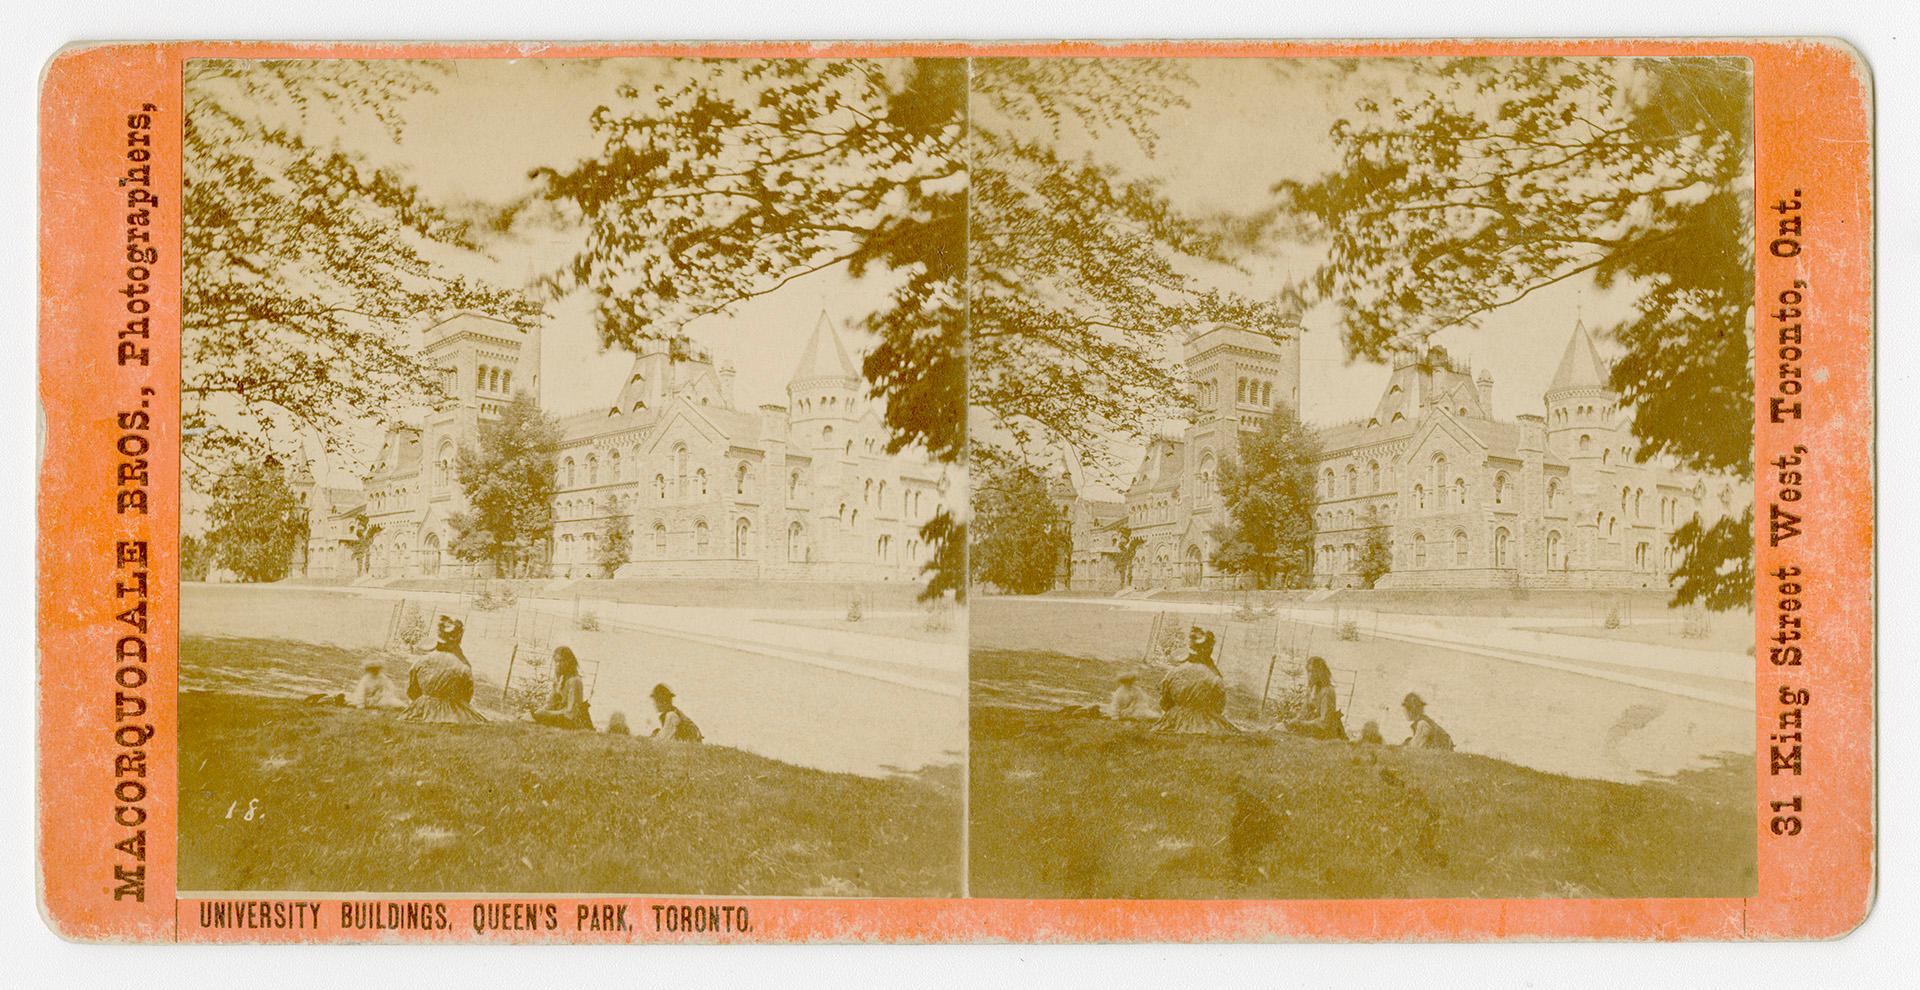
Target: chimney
[1484,384]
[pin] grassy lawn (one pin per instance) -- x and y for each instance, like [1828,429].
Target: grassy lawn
[1078,807]
[1064,806]
[345,800]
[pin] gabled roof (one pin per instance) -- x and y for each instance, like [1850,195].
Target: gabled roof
[825,356]
[1580,365]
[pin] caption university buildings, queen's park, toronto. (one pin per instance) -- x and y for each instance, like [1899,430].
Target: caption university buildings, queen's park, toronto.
[801,490]
[1551,499]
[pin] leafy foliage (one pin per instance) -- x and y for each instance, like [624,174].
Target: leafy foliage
[1018,538]
[256,522]
[1079,276]
[510,479]
[305,268]
[1716,563]
[1376,558]
[1267,488]
[1128,547]
[615,546]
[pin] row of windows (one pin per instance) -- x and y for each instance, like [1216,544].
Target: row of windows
[1563,414]
[583,547]
[487,378]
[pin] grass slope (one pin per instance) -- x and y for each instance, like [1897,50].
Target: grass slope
[346,800]
[1076,807]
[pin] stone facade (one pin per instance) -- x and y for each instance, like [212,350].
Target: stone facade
[1554,499]
[804,490]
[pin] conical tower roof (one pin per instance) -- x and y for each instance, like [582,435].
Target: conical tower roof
[1580,366]
[825,356]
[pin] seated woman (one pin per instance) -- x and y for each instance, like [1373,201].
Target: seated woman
[1193,696]
[441,683]
[1322,720]
[674,724]
[566,702]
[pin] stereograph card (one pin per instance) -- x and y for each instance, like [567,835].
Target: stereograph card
[947,492]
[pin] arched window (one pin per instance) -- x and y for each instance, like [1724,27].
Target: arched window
[1500,547]
[1639,501]
[1419,550]
[1459,548]
[882,547]
[1500,488]
[1625,494]
[1460,491]
[1240,394]
[660,485]
[1206,475]
[880,493]
[1439,472]
[866,492]
[700,542]
[593,469]
[1353,480]
[742,539]
[480,377]
[567,470]
[793,486]
[1586,441]
[1640,556]
[506,381]
[680,468]
[796,543]
[1373,476]
[1327,482]
[1420,497]
[1555,559]
[1553,493]
[1603,456]
[660,538]
[826,435]
[700,479]
[443,464]
[613,466]
[740,479]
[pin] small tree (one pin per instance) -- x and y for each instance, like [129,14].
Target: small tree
[1269,494]
[257,522]
[1016,532]
[616,537]
[1377,559]
[510,480]
[1128,547]
[361,545]
[196,557]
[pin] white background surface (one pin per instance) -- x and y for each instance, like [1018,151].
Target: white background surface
[1877,954]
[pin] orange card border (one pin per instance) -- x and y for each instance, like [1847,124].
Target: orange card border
[1813,134]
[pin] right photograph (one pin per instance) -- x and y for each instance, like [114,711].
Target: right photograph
[1362,478]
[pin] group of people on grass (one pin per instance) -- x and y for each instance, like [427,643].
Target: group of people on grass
[440,689]
[1193,699]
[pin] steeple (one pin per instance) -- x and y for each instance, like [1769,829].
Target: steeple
[825,356]
[1580,366]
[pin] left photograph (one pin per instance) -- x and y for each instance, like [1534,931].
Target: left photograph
[572,477]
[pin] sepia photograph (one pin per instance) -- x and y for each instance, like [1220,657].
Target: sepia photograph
[1362,497]
[573,487]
